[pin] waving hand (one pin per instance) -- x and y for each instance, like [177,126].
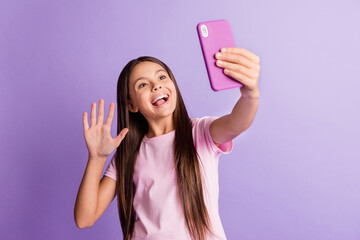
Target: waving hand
[98,136]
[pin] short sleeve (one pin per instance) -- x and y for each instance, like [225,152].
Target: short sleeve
[202,130]
[111,169]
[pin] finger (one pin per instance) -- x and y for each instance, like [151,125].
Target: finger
[93,115]
[236,58]
[248,82]
[236,68]
[85,122]
[242,51]
[121,135]
[110,116]
[101,113]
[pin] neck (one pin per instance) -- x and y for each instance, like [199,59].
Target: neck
[158,127]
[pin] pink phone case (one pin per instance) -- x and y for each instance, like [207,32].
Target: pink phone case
[213,36]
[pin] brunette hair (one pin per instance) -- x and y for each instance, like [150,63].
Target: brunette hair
[186,158]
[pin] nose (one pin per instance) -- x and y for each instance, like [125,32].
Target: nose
[157,87]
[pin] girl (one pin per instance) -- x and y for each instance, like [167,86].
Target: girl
[165,171]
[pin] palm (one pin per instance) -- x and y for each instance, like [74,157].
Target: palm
[99,141]
[98,137]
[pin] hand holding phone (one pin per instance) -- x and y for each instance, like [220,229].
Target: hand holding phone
[213,36]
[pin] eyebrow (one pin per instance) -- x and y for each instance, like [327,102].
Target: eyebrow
[146,78]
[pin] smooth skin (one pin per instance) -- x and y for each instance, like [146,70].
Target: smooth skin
[98,137]
[147,81]
[95,196]
[244,67]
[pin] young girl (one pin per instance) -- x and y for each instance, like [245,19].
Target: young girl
[165,171]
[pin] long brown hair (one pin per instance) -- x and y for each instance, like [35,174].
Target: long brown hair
[186,158]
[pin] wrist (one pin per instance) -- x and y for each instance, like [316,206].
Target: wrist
[254,96]
[97,158]
[249,94]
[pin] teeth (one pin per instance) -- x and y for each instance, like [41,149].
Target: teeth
[162,96]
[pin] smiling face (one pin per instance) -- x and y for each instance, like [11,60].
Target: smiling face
[151,91]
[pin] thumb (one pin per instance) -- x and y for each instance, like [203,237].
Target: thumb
[121,136]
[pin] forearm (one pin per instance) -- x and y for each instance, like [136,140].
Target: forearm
[86,201]
[243,114]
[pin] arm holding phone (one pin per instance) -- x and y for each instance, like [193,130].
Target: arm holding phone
[243,66]
[230,67]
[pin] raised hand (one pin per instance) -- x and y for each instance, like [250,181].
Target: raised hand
[98,137]
[243,66]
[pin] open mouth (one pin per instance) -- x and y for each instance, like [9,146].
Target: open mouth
[160,100]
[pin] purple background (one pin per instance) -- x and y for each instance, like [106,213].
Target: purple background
[294,174]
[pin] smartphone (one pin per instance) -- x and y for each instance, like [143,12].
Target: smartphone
[213,36]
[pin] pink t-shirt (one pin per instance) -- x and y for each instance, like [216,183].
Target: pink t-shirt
[156,202]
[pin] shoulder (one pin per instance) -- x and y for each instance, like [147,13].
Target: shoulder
[202,122]
[202,125]
[202,137]
[201,129]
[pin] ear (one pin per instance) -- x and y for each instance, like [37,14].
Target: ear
[132,108]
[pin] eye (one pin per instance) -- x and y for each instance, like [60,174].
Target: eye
[142,85]
[162,76]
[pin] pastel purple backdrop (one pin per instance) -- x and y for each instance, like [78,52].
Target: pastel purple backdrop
[293,175]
